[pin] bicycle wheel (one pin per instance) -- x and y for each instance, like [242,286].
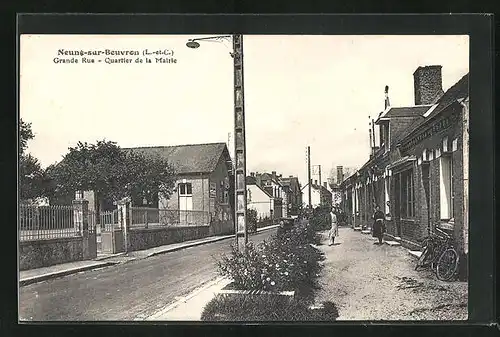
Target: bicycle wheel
[424,259]
[447,265]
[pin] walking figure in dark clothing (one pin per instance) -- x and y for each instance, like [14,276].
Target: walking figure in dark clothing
[378,226]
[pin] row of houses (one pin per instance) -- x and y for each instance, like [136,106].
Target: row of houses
[205,183]
[418,171]
[273,196]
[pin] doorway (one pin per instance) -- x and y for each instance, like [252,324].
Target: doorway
[185,203]
[397,204]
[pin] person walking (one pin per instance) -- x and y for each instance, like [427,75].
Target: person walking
[334,230]
[378,226]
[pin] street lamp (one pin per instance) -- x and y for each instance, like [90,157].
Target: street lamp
[240,195]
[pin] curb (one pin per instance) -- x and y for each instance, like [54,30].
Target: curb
[184,299]
[194,244]
[102,258]
[44,277]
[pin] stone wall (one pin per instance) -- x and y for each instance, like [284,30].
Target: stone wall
[44,253]
[140,239]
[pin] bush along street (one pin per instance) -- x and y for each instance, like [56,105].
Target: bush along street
[320,219]
[286,262]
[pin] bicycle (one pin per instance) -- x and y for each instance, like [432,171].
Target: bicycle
[440,255]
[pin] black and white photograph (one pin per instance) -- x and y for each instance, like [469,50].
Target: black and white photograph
[243,178]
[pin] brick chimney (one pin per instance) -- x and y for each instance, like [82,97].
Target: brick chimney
[325,184]
[273,173]
[340,174]
[258,179]
[252,174]
[315,182]
[428,84]
[290,177]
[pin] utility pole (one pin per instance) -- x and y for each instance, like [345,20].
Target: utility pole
[319,173]
[240,145]
[240,195]
[309,174]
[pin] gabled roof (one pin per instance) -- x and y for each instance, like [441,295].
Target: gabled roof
[251,181]
[268,176]
[458,91]
[191,158]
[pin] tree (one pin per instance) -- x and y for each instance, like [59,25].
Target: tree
[25,135]
[112,173]
[150,177]
[31,177]
[31,174]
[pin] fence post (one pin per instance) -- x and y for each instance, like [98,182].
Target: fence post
[79,218]
[123,210]
[81,213]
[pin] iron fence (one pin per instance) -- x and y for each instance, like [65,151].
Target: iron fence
[144,217]
[46,222]
[109,221]
[92,221]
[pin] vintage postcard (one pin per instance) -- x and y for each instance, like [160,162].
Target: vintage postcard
[248,178]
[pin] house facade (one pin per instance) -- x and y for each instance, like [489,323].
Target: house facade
[293,193]
[270,183]
[417,173]
[203,187]
[259,200]
[320,195]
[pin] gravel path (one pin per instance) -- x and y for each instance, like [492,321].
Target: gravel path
[371,282]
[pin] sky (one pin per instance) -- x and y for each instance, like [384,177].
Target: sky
[300,91]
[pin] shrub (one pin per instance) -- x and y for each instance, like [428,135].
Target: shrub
[320,219]
[287,262]
[264,308]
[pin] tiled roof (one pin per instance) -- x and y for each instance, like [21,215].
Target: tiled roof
[252,181]
[268,176]
[457,91]
[191,158]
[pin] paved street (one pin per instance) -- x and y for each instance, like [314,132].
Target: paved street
[136,289]
[371,282]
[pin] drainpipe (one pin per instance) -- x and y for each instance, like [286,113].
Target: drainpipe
[465,156]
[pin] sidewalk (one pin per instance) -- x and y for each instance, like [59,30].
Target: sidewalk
[367,281]
[41,274]
[191,307]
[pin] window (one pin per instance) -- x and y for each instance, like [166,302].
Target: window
[446,196]
[185,189]
[221,194]
[407,194]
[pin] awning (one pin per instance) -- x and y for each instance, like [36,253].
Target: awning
[402,163]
